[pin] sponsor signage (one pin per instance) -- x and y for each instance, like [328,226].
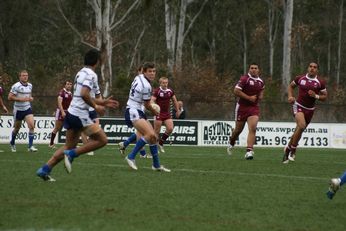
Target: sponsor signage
[203,133]
[184,132]
[43,127]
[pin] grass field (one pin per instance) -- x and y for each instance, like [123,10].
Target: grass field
[206,190]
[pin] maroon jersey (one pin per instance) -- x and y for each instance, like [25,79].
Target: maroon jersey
[1,91]
[250,86]
[163,99]
[66,98]
[305,84]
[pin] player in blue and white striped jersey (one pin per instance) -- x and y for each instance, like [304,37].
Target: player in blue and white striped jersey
[139,98]
[21,95]
[77,119]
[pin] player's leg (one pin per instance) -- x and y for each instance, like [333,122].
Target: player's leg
[148,135]
[301,124]
[252,122]
[29,119]
[239,126]
[16,127]
[153,150]
[124,144]
[169,129]
[97,139]
[56,129]
[72,139]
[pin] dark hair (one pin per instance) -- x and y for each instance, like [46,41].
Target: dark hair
[67,81]
[91,57]
[253,63]
[318,65]
[147,66]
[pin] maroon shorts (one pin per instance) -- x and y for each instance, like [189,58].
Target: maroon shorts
[163,116]
[308,113]
[243,112]
[58,115]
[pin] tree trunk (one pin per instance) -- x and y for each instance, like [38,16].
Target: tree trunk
[272,27]
[171,31]
[286,66]
[341,16]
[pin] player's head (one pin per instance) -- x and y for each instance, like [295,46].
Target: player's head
[23,76]
[254,69]
[163,82]
[149,70]
[313,68]
[92,57]
[68,85]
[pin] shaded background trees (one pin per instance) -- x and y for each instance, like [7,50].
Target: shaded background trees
[221,39]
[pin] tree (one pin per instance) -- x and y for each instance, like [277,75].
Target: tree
[176,33]
[286,63]
[341,17]
[273,22]
[109,17]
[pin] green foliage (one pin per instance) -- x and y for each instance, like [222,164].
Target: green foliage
[206,190]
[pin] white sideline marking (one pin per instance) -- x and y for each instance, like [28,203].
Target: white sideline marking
[196,171]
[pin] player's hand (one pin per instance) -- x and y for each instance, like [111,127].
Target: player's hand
[291,100]
[111,103]
[5,109]
[252,98]
[311,93]
[100,110]
[63,114]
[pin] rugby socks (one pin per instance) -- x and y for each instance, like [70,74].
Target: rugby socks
[292,148]
[13,138]
[163,138]
[249,149]
[31,138]
[142,152]
[343,178]
[46,169]
[154,153]
[139,145]
[52,138]
[132,138]
[72,153]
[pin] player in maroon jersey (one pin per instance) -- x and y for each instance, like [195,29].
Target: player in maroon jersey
[64,100]
[249,91]
[310,88]
[163,96]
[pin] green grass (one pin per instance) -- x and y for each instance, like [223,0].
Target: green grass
[207,190]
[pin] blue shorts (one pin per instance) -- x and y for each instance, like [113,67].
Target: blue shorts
[75,122]
[93,115]
[20,115]
[132,114]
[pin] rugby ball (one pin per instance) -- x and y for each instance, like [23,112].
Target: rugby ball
[156,107]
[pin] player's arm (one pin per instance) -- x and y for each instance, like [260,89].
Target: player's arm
[261,95]
[13,97]
[322,95]
[107,102]
[238,92]
[2,105]
[290,92]
[60,106]
[176,106]
[85,94]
